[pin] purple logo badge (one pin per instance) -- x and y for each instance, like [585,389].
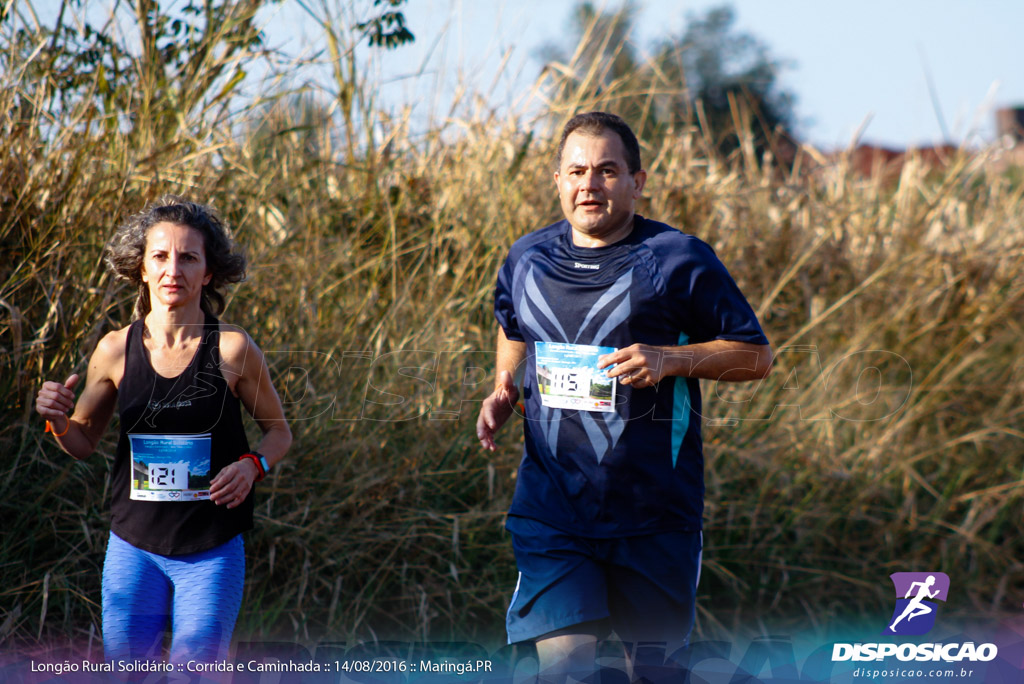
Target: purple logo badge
[915,596]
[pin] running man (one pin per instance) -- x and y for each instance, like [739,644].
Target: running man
[916,607]
[614,318]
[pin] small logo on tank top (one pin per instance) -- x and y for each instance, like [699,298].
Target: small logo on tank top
[161,405]
[589,267]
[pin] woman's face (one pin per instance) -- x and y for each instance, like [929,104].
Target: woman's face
[174,265]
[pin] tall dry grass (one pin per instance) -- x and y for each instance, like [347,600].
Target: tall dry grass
[370,291]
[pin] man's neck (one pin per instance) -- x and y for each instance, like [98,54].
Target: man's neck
[591,241]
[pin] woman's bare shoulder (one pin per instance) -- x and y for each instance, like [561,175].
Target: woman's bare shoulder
[238,350]
[111,346]
[107,362]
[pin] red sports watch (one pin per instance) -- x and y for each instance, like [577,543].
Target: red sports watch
[261,463]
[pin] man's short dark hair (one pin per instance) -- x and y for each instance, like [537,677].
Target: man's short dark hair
[595,123]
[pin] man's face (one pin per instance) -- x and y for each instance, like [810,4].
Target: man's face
[596,189]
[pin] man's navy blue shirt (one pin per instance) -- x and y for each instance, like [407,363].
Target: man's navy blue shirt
[639,469]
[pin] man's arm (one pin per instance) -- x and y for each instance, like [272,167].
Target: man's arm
[498,407]
[643,365]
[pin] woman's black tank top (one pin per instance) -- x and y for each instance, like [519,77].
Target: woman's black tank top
[196,402]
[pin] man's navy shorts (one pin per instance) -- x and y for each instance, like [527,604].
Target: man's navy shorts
[643,587]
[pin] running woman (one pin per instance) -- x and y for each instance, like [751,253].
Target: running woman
[183,474]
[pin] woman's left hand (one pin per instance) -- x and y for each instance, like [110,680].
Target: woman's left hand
[233,483]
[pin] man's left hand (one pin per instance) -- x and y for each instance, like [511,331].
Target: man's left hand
[639,365]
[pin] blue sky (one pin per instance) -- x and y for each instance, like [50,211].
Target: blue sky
[852,63]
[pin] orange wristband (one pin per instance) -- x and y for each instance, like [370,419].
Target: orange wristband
[49,428]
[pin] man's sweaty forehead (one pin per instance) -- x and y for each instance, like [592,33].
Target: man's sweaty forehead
[575,154]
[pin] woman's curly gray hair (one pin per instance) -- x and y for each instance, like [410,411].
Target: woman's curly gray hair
[127,249]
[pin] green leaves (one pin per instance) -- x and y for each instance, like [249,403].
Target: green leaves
[387,29]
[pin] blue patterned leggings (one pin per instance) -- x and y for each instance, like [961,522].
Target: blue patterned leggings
[199,594]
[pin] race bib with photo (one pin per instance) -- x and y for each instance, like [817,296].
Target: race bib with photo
[568,377]
[170,467]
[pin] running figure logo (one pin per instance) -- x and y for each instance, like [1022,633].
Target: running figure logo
[915,593]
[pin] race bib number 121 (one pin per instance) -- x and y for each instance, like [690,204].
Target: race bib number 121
[170,467]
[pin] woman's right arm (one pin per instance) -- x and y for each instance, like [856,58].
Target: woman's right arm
[79,434]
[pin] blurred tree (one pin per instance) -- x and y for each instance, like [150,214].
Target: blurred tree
[728,82]
[711,75]
[603,59]
[602,45]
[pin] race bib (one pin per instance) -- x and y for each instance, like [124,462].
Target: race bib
[170,467]
[568,377]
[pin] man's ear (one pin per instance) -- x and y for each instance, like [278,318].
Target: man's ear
[639,178]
